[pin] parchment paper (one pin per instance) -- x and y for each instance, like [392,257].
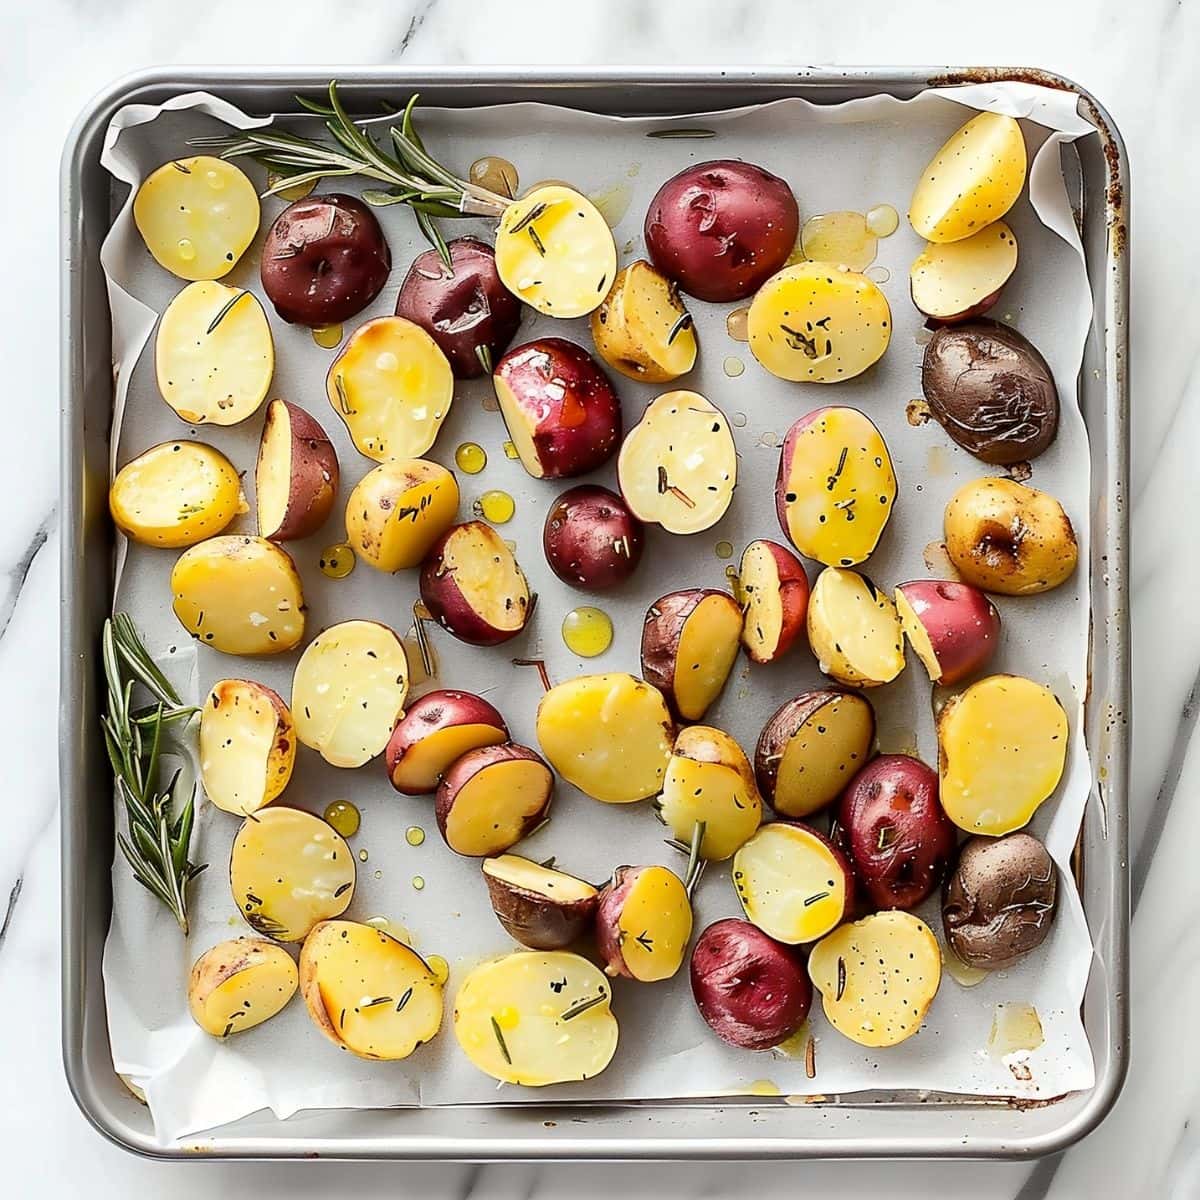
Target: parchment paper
[849,156]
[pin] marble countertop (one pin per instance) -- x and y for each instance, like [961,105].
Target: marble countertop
[1139,59]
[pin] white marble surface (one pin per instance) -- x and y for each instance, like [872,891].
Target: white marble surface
[1140,59]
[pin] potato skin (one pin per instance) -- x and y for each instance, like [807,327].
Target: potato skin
[313,473]
[221,963]
[398,511]
[720,229]
[959,621]
[591,539]
[536,921]
[430,714]
[752,991]
[661,634]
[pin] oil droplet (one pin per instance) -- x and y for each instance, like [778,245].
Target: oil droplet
[215,180]
[882,220]
[378,874]
[344,817]
[439,966]
[937,461]
[541,183]
[296,192]
[470,458]
[337,561]
[962,973]
[496,174]
[418,882]
[770,440]
[724,549]
[497,507]
[795,1046]
[839,237]
[1014,1027]
[387,361]
[489,403]
[587,631]
[414,835]
[924,336]
[380,923]
[187,251]
[739,420]
[737,324]
[510,450]
[761,1087]
[734,367]
[508,1017]
[878,274]
[612,202]
[938,561]
[797,255]
[362,855]
[328,337]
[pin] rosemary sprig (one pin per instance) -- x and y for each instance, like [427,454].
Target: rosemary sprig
[159,821]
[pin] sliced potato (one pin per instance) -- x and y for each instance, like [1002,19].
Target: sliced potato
[247,745]
[1002,747]
[368,992]
[392,386]
[296,476]
[877,977]
[540,907]
[239,984]
[240,595]
[854,630]
[535,1018]
[397,511]
[772,588]
[818,323]
[643,923]
[289,871]
[214,355]
[957,280]
[348,691]
[197,216]
[176,494]
[643,329]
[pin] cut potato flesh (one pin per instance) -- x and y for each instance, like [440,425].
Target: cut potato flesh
[791,883]
[398,511]
[823,754]
[535,1018]
[176,494]
[973,180]
[492,810]
[487,576]
[239,984]
[836,486]
[528,876]
[643,329]
[678,466]
[609,735]
[1002,749]
[296,476]
[392,386]
[247,746]
[854,630]
[556,252]
[240,595]
[197,216]
[708,646]
[368,992]
[818,323]
[290,870]
[426,761]
[214,355]
[877,977]
[654,925]
[349,691]
[762,602]
[954,278]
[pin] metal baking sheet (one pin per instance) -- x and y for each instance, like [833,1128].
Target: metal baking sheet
[682,1121]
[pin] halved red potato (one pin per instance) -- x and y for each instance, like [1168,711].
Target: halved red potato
[836,486]
[854,630]
[773,590]
[643,923]
[491,797]
[393,387]
[689,645]
[214,355]
[953,628]
[678,465]
[349,690]
[247,745]
[398,510]
[643,329]
[1002,747]
[540,907]
[793,882]
[811,748]
[296,477]
[238,984]
[609,735]
[437,730]
[474,587]
[816,322]
[955,281]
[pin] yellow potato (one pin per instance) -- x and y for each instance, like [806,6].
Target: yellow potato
[397,511]
[240,595]
[643,923]
[854,630]
[247,745]
[973,180]
[957,280]
[643,329]
[176,494]
[239,984]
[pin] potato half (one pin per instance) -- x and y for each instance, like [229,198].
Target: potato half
[247,745]
[239,984]
[643,923]
[540,907]
[854,630]
[953,281]
[397,511]
[643,329]
[296,476]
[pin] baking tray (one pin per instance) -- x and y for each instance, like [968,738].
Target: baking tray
[882,1124]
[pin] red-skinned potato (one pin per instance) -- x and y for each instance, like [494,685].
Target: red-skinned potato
[540,907]
[436,731]
[721,228]
[689,644]
[893,830]
[773,589]
[474,587]
[296,477]
[953,628]
[643,923]
[324,260]
[642,329]
[561,411]
[591,539]
[751,990]
[854,630]
[464,307]
[956,281]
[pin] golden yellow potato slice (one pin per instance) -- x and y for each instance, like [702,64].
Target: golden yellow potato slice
[643,329]
[247,745]
[960,279]
[877,977]
[653,925]
[239,984]
[816,322]
[973,180]
[214,355]
[240,595]
[197,216]
[176,494]
[535,1018]
[854,630]
[397,511]
[1002,747]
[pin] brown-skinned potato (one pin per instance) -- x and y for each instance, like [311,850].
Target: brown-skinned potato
[296,477]
[436,731]
[539,906]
